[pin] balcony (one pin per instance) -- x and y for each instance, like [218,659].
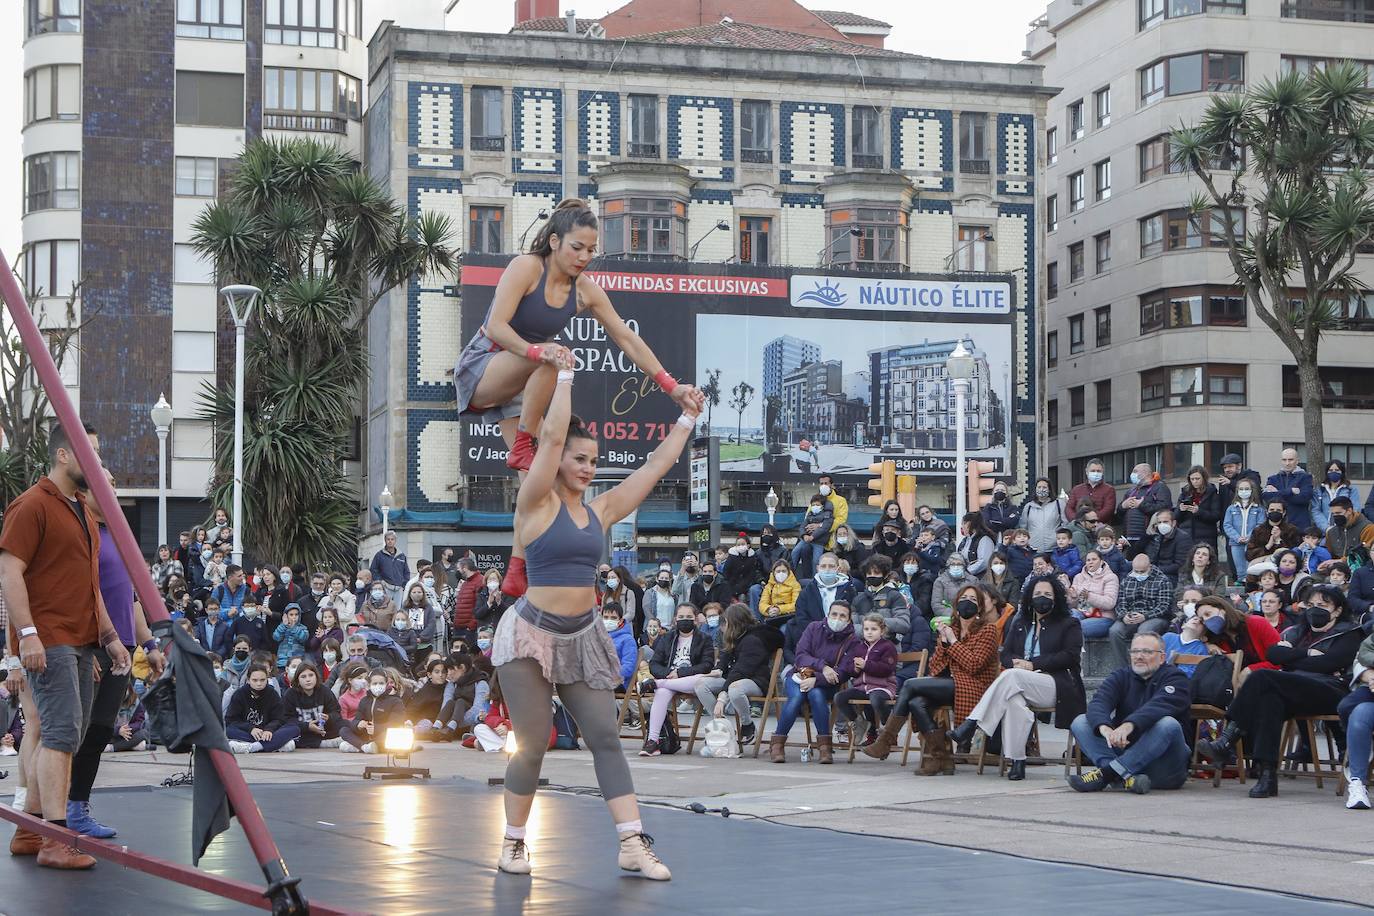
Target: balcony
[328,124]
[644,150]
[489,144]
[975,166]
[868,161]
[1331,10]
[756,155]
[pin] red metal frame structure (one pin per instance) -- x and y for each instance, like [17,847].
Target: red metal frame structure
[282,895]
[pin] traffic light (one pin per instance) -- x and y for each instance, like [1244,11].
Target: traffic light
[980,482]
[885,484]
[906,495]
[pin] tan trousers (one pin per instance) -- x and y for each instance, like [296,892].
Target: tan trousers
[1007,703]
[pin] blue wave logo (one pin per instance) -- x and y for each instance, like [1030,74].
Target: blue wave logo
[824,294]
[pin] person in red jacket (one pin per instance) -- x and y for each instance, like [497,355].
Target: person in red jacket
[1251,634]
[872,666]
[464,622]
[1095,490]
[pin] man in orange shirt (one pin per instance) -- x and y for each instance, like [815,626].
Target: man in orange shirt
[51,580]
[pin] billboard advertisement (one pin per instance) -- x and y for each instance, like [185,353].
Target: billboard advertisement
[805,371]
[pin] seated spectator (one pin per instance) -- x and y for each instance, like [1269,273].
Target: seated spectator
[848,547]
[131,725]
[1084,528]
[1188,598]
[1110,552]
[1203,570]
[613,618]
[326,628]
[779,596]
[869,666]
[486,633]
[814,679]
[402,634]
[214,631]
[998,579]
[331,653]
[315,708]
[744,667]
[743,568]
[1019,554]
[1187,641]
[353,688]
[708,622]
[236,663]
[1290,574]
[423,706]
[817,594]
[1349,531]
[255,720]
[891,514]
[490,733]
[1168,546]
[927,520]
[1314,657]
[1357,721]
[251,624]
[1274,533]
[890,542]
[291,636]
[897,579]
[377,712]
[1133,728]
[1338,574]
[947,585]
[680,661]
[339,598]
[710,587]
[1229,630]
[422,617]
[652,631]
[1041,654]
[1265,576]
[468,696]
[1043,565]
[1093,596]
[1312,553]
[1144,605]
[1065,555]
[378,611]
[880,596]
[813,535]
[1361,590]
[976,543]
[287,677]
[618,588]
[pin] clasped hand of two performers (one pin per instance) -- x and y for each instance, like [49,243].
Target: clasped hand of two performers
[688,397]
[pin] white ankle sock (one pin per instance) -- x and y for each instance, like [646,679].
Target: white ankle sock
[629,827]
[515,833]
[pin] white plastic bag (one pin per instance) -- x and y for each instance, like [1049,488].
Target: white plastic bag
[718,738]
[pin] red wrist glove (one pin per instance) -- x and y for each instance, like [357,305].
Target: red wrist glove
[534,352]
[665,381]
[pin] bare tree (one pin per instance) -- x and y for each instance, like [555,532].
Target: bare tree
[742,393]
[712,392]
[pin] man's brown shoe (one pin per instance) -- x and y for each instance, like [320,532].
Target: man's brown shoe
[56,854]
[25,843]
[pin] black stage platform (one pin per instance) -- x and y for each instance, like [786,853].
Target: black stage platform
[431,848]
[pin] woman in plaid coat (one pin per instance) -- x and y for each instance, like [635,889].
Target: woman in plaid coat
[964,664]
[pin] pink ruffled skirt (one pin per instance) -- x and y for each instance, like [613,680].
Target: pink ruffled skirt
[586,655]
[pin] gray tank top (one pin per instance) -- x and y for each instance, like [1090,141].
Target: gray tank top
[566,555]
[534,320]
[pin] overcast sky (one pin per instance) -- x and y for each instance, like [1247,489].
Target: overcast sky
[989,30]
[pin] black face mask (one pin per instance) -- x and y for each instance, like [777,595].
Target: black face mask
[1000,496]
[967,609]
[686,626]
[1318,617]
[890,536]
[708,578]
[1042,604]
[873,581]
[769,539]
[664,583]
[603,574]
[1275,518]
[240,654]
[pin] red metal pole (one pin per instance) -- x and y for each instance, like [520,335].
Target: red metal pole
[245,808]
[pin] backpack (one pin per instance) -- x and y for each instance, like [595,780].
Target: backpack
[718,739]
[668,741]
[1356,557]
[1211,681]
[566,729]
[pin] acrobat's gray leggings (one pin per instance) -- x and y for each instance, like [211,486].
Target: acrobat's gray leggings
[530,700]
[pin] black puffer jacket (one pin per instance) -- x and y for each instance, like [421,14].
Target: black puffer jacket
[1058,652]
[1337,645]
[752,659]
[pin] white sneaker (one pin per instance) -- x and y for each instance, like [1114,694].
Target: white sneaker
[1357,796]
[370,747]
[21,796]
[243,747]
[288,747]
[515,857]
[332,742]
[7,751]
[685,708]
[141,746]
[348,748]
[637,854]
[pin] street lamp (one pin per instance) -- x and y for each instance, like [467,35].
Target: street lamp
[162,421]
[949,259]
[542,214]
[825,252]
[720,224]
[959,367]
[385,499]
[241,299]
[771,501]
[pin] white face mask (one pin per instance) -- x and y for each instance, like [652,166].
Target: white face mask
[1164,528]
[612,582]
[824,490]
[331,657]
[713,620]
[1190,609]
[358,683]
[841,539]
[358,584]
[910,570]
[377,689]
[402,623]
[1243,494]
[427,581]
[286,577]
[610,624]
[780,575]
[494,585]
[998,568]
[250,612]
[836,625]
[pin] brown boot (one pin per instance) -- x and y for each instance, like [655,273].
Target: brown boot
[887,738]
[777,749]
[943,751]
[25,843]
[823,749]
[932,743]
[56,854]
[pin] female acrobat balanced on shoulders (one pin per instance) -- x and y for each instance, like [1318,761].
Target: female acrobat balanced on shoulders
[554,636]
[506,372]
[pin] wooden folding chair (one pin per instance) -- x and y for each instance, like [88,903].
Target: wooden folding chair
[1202,712]
[903,658]
[1308,725]
[1070,755]
[632,695]
[771,700]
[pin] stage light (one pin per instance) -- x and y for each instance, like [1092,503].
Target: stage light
[400,741]
[398,744]
[510,741]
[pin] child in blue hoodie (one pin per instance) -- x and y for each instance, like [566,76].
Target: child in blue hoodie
[612,616]
[1111,554]
[1066,557]
[290,636]
[1311,551]
[1019,554]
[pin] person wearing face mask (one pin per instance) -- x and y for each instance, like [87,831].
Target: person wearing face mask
[251,624]
[688,575]
[377,611]
[619,587]
[1040,655]
[351,688]
[954,577]
[1168,546]
[1001,515]
[1145,605]
[471,586]
[1293,486]
[331,654]
[890,543]
[658,599]
[491,602]
[236,662]
[212,631]
[1357,720]
[1229,629]
[814,535]
[1095,490]
[744,567]
[743,666]
[289,591]
[1093,596]
[848,547]
[709,588]
[377,712]
[779,597]
[817,593]
[891,514]
[256,721]
[403,634]
[998,580]
[1042,515]
[422,619]
[390,568]
[1315,658]
[1273,534]
[613,619]
[423,705]
[291,636]
[1348,530]
[680,661]
[1133,728]
[311,598]
[327,629]
[1189,640]
[813,679]
[839,506]
[1147,495]
[1243,517]
[362,584]
[879,596]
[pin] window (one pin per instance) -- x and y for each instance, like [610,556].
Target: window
[644,126]
[1212,71]
[197,177]
[1331,10]
[1192,307]
[210,19]
[1102,393]
[189,267]
[70,355]
[754,232]
[485,230]
[488,125]
[1052,213]
[1051,349]
[882,240]
[209,99]
[1289,63]
[1102,252]
[1075,262]
[1102,180]
[1051,279]
[1102,106]
[868,153]
[1156,158]
[755,131]
[193,438]
[1151,13]
[1076,192]
[1075,117]
[320,100]
[648,228]
[1102,321]
[312,23]
[1358,458]
[1052,144]
[1192,386]
[1077,406]
[1075,334]
[52,268]
[52,181]
[1175,230]
[52,93]
[971,250]
[973,144]
[1345,387]
[1052,417]
[193,351]
[53,16]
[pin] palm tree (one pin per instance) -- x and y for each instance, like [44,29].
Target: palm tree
[743,394]
[324,242]
[1309,141]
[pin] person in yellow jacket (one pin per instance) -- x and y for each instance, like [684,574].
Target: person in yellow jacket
[780,592]
[839,506]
